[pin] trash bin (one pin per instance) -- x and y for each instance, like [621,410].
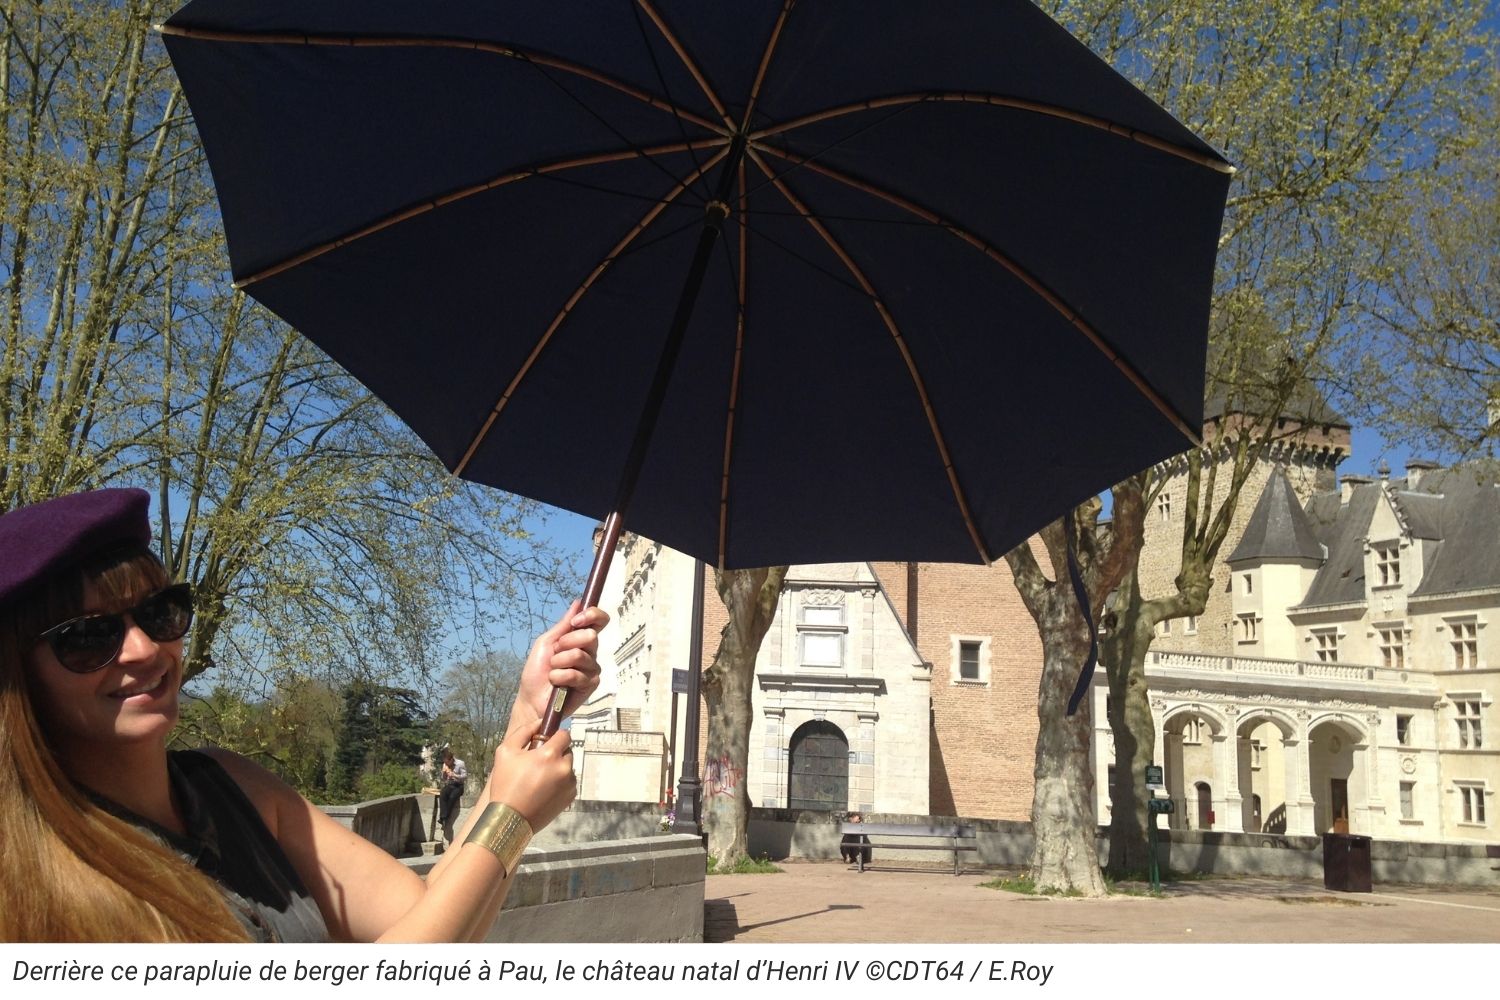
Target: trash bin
[1346,862]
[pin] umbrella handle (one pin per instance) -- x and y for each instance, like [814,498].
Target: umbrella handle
[593,589]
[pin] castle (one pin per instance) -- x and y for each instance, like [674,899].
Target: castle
[1340,677]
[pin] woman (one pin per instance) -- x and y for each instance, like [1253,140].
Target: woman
[108,837]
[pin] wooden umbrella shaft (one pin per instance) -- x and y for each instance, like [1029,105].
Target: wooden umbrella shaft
[714,215]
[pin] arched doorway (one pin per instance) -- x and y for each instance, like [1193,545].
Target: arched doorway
[1205,806]
[1336,773]
[818,771]
[1265,771]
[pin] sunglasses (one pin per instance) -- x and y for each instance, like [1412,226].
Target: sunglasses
[89,642]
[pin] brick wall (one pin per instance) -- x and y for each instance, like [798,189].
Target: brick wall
[983,734]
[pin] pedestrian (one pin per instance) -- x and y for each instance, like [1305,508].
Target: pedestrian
[108,837]
[855,844]
[455,772]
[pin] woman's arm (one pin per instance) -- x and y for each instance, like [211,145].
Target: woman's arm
[363,892]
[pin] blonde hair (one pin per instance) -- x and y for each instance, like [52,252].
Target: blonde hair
[72,871]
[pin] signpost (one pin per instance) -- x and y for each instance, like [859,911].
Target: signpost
[1155,782]
[679,686]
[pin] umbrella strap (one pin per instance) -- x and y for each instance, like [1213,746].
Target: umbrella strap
[1086,675]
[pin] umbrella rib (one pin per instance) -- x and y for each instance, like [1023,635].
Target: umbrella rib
[734,379]
[1018,103]
[573,300]
[765,63]
[1026,277]
[687,61]
[895,330]
[412,211]
[416,41]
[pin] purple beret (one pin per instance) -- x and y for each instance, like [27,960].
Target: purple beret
[47,537]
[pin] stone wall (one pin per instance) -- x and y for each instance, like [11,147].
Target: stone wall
[394,824]
[814,836]
[646,889]
[1302,857]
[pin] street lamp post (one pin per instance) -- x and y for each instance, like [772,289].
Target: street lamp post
[689,789]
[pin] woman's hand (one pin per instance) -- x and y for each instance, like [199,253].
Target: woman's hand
[538,783]
[563,656]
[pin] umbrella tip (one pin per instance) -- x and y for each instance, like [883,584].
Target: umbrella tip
[157,27]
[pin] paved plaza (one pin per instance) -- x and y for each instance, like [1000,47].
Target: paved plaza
[832,902]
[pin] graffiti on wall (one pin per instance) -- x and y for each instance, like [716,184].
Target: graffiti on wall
[721,777]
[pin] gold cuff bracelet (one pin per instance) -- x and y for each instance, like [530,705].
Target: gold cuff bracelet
[503,832]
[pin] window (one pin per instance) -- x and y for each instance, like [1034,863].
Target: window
[821,630]
[1249,628]
[1326,644]
[1465,642]
[1387,564]
[968,661]
[1164,506]
[1403,730]
[1471,802]
[1190,627]
[1192,731]
[1408,804]
[1392,639]
[1470,726]
[1257,754]
[1249,583]
[1164,627]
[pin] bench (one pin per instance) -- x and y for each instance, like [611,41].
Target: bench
[954,833]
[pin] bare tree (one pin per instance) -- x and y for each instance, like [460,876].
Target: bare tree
[751,595]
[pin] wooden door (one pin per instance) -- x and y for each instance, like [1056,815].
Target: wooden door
[818,775]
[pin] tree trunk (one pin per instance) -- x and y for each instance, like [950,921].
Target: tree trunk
[1066,856]
[751,596]
[1134,730]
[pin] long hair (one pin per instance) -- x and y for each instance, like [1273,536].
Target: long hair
[71,871]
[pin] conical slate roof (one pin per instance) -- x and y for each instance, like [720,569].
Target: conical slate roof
[1278,528]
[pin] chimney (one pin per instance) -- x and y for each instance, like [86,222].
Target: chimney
[1415,469]
[1347,482]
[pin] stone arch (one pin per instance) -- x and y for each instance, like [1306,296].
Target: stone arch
[1347,721]
[1189,732]
[1279,718]
[1265,745]
[1336,763]
[1218,724]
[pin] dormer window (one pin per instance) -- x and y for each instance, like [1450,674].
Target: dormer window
[1387,564]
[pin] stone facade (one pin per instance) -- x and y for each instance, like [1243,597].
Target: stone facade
[836,664]
[1349,691]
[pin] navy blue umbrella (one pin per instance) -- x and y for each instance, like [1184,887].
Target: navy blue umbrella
[793,282]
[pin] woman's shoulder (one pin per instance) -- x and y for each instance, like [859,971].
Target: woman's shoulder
[266,792]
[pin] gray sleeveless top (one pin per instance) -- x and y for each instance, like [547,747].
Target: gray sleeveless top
[227,841]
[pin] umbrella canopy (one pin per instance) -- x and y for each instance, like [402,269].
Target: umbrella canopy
[953,240]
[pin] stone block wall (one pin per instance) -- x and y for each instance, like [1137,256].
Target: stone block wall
[394,824]
[647,889]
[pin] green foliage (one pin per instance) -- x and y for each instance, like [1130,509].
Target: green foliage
[292,733]
[744,866]
[379,727]
[390,779]
[1023,885]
